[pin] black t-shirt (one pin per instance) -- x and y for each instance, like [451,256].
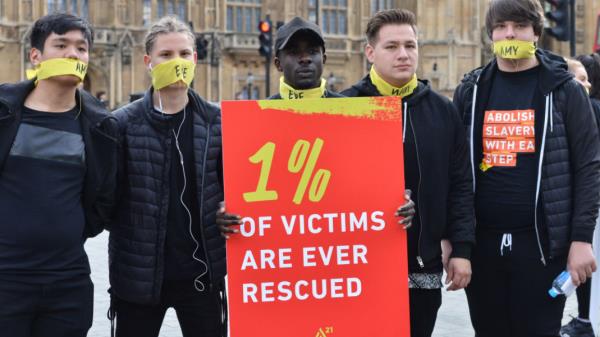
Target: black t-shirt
[41,211]
[506,135]
[180,245]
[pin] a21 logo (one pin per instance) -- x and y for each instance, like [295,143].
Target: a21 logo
[324,332]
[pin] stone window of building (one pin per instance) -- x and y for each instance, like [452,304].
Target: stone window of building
[380,5]
[333,15]
[77,7]
[147,12]
[57,6]
[168,7]
[243,15]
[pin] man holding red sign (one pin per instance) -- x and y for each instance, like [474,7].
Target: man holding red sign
[332,271]
[435,163]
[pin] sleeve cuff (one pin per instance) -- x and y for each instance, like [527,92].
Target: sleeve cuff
[461,249]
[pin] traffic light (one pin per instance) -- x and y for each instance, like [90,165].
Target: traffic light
[201,47]
[559,15]
[265,27]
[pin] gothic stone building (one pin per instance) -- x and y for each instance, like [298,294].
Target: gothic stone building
[451,36]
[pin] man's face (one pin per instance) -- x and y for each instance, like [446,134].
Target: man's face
[169,46]
[301,61]
[395,53]
[511,30]
[72,44]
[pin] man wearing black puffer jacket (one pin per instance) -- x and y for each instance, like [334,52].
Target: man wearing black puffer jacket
[536,163]
[165,250]
[435,164]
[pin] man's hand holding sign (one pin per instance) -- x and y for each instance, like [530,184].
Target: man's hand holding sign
[314,235]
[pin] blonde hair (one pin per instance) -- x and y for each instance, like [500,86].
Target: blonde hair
[573,64]
[166,25]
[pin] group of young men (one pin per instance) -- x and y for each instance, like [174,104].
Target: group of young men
[513,163]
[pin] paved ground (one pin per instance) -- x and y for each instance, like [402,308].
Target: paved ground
[453,317]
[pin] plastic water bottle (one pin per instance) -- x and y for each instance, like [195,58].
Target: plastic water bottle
[562,285]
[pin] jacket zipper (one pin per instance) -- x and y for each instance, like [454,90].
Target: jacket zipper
[539,178]
[202,208]
[419,259]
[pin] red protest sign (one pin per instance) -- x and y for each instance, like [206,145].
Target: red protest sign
[320,252]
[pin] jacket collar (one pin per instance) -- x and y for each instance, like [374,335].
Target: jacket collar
[14,96]
[161,122]
[553,71]
[367,88]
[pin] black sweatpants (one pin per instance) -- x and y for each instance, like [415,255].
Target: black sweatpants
[199,313]
[424,306]
[61,309]
[508,293]
[584,292]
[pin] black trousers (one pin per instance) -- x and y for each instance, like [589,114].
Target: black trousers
[424,306]
[199,313]
[508,293]
[62,309]
[584,292]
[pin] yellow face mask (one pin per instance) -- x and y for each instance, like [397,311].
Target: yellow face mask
[287,92]
[58,67]
[172,71]
[514,49]
[387,89]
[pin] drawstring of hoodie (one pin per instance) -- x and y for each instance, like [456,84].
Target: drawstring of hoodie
[550,110]
[506,242]
[404,122]
[111,314]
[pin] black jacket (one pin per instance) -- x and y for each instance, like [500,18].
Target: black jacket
[100,134]
[445,194]
[569,178]
[137,236]
[596,106]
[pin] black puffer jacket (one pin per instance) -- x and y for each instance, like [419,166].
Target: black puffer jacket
[100,133]
[445,194]
[569,177]
[137,237]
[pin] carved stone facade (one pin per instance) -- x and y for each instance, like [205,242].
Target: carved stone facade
[451,36]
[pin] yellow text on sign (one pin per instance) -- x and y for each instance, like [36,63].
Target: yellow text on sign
[303,159]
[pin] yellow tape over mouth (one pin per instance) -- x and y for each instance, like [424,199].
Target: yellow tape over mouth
[173,71]
[514,49]
[58,67]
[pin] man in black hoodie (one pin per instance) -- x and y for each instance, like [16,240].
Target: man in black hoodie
[536,164]
[435,163]
[58,151]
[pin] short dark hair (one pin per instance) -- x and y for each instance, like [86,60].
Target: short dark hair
[389,17]
[529,11]
[591,63]
[59,23]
